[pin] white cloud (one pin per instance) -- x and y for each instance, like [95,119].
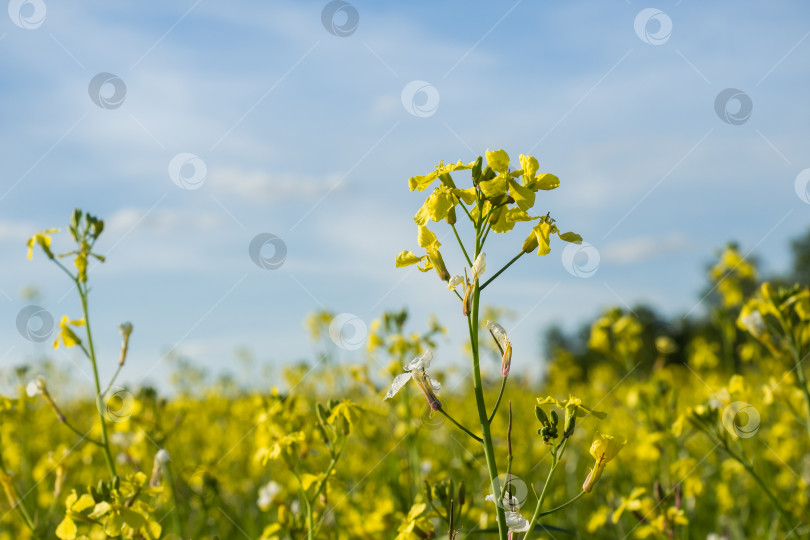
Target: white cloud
[126,220]
[15,230]
[642,248]
[261,187]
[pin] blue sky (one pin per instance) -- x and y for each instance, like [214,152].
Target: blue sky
[306,135]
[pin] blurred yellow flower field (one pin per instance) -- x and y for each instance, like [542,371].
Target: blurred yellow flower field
[643,428]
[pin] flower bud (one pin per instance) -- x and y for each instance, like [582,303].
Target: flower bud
[161,459]
[540,414]
[506,360]
[125,329]
[570,421]
[476,169]
[438,263]
[531,243]
[593,477]
[451,217]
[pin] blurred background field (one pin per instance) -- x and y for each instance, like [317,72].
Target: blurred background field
[647,372]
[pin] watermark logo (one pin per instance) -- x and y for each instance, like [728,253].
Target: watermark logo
[581,260]
[420,99]
[348,331]
[117,405]
[733,106]
[35,323]
[741,419]
[653,26]
[340,18]
[107,90]
[188,171]
[27,14]
[802,186]
[267,251]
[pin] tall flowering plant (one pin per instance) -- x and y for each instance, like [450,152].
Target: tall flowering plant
[500,197]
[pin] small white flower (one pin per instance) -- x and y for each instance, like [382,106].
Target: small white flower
[503,344]
[515,521]
[754,323]
[497,331]
[36,387]
[479,265]
[455,281]
[267,493]
[477,270]
[416,370]
[162,457]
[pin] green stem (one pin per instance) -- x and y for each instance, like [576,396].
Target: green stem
[497,401]
[99,397]
[786,518]
[329,469]
[486,233]
[460,243]
[14,497]
[310,521]
[507,265]
[489,451]
[508,457]
[563,505]
[802,380]
[459,426]
[461,204]
[112,381]
[554,463]
[322,485]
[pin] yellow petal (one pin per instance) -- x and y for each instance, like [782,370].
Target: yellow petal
[84,502]
[572,237]
[498,160]
[407,258]
[542,232]
[524,197]
[545,182]
[495,187]
[67,529]
[426,238]
[529,166]
[466,195]
[420,183]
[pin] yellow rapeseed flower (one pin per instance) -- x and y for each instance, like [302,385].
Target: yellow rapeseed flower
[604,448]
